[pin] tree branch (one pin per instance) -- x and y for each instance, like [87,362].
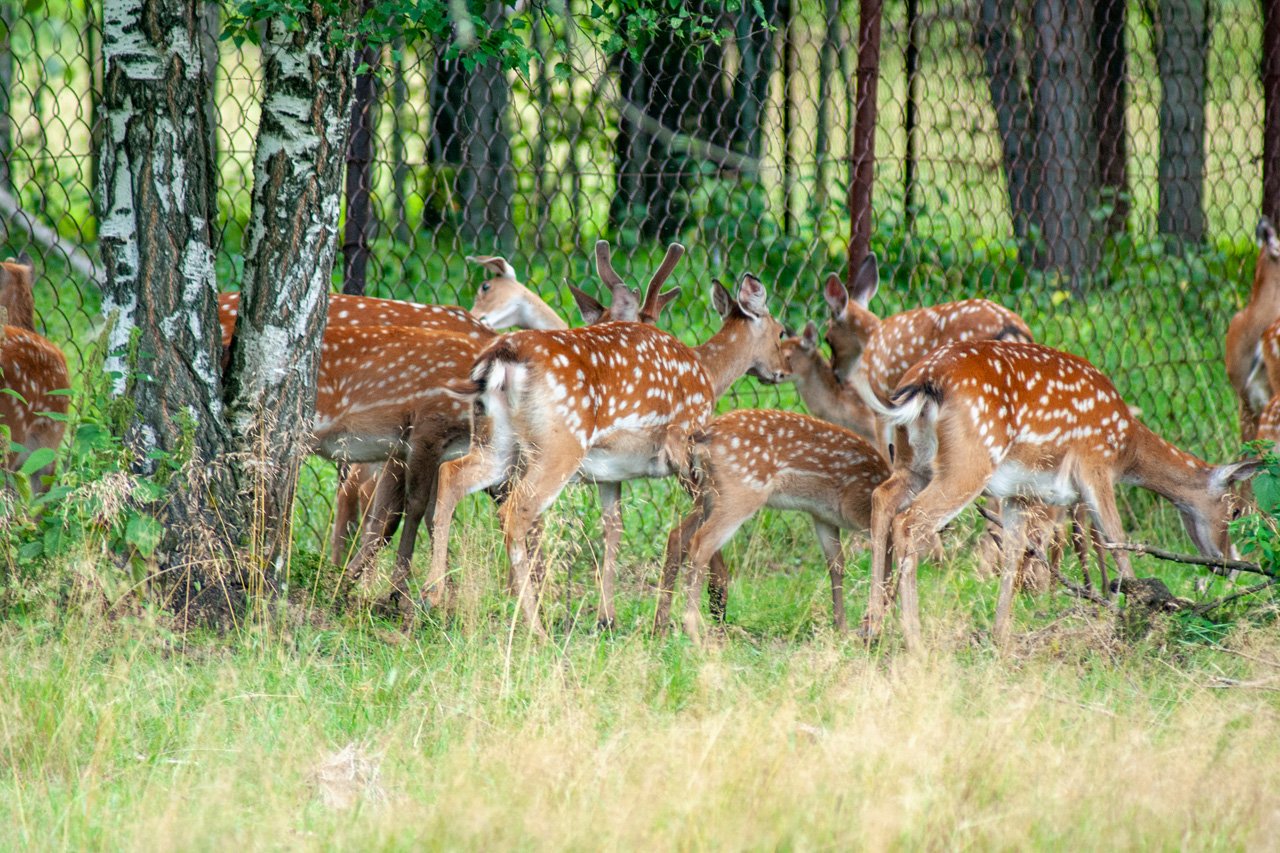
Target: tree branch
[77,259]
[1217,565]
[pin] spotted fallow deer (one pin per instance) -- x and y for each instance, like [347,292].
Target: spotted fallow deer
[819,389]
[1245,367]
[502,302]
[752,458]
[1025,423]
[32,373]
[605,403]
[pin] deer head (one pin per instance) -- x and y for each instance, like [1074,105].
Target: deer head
[502,301]
[852,323]
[625,303]
[16,280]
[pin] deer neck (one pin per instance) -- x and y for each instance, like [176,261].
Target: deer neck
[1158,466]
[727,356]
[16,298]
[536,314]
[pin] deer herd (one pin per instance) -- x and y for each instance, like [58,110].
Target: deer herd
[914,417]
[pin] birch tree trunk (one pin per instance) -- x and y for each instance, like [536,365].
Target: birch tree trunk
[160,292]
[288,268]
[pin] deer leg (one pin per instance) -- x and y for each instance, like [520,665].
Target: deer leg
[1100,495]
[829,539]
[718,588]
[347,511]
[1013,515]
[611,517]
[886,501]
[726,515]
[420,485]
[544,479]
[677,550]
[482,468]
[382,503]
[946,495]
[1081,536]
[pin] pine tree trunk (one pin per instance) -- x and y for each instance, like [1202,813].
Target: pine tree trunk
[359,184]
[910,120]
[1065,158]
[1271,120]
[399,168]
[1011,101]
[1111,85]
[160,292]
[1181,43]
[826,105]
[292,240]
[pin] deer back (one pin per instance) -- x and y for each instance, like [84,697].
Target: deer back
[377,382]
[33,368]
[347,310]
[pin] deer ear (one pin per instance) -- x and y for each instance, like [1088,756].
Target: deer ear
[496,265]
[751,296]
[866,282]
[1225,475]
[835,294]
[588,306]
[721,299]
[25,259]
[809,337]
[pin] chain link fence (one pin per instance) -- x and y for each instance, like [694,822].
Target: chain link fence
[1095,165]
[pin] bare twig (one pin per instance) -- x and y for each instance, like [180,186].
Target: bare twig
[1217,565]
[1201,609]
[1083,592]
[11,209]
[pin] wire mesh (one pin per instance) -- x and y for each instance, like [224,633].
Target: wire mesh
[1094,165]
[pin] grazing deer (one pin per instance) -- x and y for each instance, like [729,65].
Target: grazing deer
[606,403]
[1023,422]
[752,458]
[821,392]
[32,369]
[1244,353]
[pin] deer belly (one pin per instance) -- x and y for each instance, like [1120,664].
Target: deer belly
[355,447]
[1052,486]
[606,467]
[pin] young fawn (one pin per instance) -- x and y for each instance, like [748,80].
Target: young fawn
[751,458]
[606,403]
[1023,422]
[32,369]
[1244,344]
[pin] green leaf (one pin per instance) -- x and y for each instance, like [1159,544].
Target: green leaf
[143,533]
[38,459]
[1266,489]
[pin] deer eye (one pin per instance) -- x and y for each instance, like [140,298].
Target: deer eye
[484,288]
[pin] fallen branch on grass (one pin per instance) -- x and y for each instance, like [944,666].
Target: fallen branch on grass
[1083,591]
[1201,609]
[1217,565]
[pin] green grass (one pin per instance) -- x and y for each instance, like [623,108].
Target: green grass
[116,732]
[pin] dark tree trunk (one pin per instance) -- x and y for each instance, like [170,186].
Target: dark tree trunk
[93,62]
[788,117]
[210,29]
[447,95]
[359,184]
[399,168]
[913,75]
[486,184]
[160,292]
[678,87]
[1065,157]
[751,84]
[863,144]
[292,241]
[1181,30]
[1011,101]
[7,19]
[1271,99]
[826,106]
[1110,84]
[538,156]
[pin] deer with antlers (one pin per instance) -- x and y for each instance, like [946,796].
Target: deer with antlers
[606,403]
[1025,423]
[1245,333]
[752,458]
[32,371]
